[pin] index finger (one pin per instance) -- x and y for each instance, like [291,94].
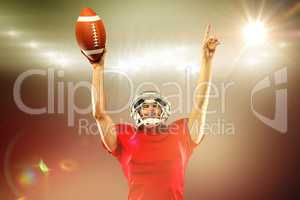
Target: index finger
[207,32]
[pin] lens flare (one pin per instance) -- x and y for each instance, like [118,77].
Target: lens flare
[43,167]
[27,177]
[255,33]
[12,33]
[33,44]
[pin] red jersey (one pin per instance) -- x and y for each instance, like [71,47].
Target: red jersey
[154,163]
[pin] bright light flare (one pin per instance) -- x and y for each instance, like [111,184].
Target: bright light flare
[50,54]
[155,58]
[27,177]
[43,167]
[255,33]
[12,33]
[62,61]
[57,58]
[33,44]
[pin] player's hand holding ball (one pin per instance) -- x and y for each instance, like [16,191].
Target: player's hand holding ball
[91,36]
[99,62]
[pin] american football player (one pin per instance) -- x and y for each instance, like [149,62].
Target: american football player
[153,154]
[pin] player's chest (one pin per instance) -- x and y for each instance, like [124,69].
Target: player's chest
[153,148]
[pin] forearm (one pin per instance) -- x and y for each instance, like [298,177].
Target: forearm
[98,95]
[197,116]
[202,88]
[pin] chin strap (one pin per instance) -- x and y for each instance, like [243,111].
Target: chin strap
[151,122]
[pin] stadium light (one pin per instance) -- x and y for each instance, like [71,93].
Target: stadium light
[255,33]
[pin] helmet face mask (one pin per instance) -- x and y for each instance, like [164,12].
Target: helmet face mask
[149,109]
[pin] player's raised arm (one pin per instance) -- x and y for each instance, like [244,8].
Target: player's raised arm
[104,121]
[198,113]
[91,38]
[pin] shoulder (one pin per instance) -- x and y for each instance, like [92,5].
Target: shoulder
[124,127]
[179,125]
[125,130]
[180,122]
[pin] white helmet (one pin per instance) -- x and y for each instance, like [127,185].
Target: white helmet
[149,97]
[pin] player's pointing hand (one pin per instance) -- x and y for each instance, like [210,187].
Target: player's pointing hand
[210,43]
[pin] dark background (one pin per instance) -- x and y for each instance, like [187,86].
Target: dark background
[253,161]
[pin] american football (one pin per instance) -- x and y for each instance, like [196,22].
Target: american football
[90,34]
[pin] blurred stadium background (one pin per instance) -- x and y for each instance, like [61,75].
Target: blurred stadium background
[42,158]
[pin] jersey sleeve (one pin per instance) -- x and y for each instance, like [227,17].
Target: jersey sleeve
[185,136]
[122,132]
